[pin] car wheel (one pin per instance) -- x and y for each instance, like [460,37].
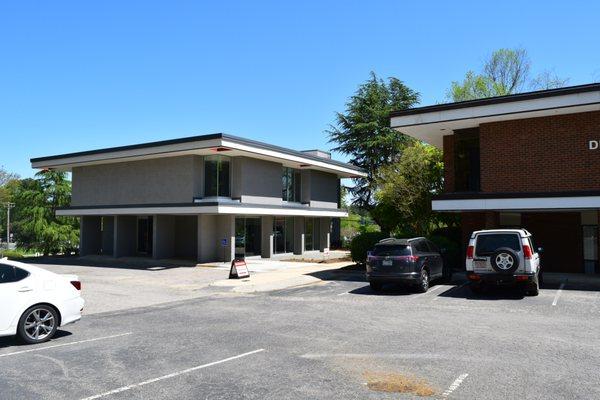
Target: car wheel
[423,285]
[38,324]
[376,286]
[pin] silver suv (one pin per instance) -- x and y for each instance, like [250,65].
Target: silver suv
[503,257]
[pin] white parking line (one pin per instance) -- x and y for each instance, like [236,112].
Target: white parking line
[343,294]
[65,344]
[562,285]
[173,375]
[457,382]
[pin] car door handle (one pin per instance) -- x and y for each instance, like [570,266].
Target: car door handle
[25,289]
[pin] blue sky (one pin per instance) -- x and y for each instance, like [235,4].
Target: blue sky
[83,75]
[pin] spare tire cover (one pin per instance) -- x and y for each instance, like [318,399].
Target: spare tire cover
[505,260]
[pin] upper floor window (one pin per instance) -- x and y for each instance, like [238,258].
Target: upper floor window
[216,176]
[291,182]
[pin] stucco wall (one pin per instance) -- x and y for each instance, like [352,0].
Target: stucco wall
[323,190]
[162,180]
[259,181]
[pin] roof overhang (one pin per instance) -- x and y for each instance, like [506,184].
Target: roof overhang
[430,124]
[199,145]
[198,209]
[518,202]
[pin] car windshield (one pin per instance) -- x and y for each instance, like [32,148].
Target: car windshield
[391,250]
[487,244]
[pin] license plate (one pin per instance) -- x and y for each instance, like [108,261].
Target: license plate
[387,263]
[480,264]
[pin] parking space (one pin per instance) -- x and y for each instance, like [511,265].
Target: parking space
[334,338]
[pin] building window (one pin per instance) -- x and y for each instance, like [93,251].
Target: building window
[283,235]
[291,182]
[311,234]
[466,160]
[216,176]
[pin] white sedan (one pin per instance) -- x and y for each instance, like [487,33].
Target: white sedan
[35,302]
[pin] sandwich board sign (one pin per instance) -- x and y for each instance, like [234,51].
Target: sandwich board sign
[239,269]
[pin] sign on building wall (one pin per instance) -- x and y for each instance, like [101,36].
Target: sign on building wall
[594,144]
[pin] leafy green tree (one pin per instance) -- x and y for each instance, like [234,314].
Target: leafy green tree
[407,187]
[506,71]
[363,132]
[37,201]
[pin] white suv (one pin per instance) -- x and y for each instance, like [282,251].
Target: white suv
[503,256]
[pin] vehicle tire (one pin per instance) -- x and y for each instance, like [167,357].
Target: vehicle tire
[505,260]
[376,286]
[38,324]
[476,288]
[534,288]
[423,285]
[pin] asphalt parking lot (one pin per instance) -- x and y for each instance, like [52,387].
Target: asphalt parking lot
[331,340]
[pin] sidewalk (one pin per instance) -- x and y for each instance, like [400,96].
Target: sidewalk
[285,276]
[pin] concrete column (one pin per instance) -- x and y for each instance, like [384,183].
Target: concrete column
[266,243]
[125,236]
[324,233]
[225,234]
[108,232]
[298,235]
[163,236]
[90,235]
[207,234]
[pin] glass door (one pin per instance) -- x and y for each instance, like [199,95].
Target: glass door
[283,235]
[247,237]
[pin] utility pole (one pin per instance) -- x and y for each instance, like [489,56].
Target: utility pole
[8,207]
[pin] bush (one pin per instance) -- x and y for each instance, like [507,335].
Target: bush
[12,254]
[362,243]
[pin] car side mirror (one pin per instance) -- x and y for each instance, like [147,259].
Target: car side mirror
[540,250]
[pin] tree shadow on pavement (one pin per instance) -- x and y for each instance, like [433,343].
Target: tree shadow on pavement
[138,263]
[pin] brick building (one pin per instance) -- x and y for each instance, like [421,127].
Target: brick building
[528,160]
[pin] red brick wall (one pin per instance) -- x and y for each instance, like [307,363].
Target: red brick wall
[449,163]
[540,154]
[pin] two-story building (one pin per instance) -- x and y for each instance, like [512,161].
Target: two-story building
[207,198]
[528,160]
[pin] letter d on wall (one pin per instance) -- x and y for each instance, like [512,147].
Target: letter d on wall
[594,144]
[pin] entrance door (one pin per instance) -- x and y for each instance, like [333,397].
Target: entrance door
[144,235]
[247,237]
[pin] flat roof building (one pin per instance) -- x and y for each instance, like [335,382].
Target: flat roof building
[528,160]
[208,198]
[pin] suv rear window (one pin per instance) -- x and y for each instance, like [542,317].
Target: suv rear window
[489,243]
[391,250]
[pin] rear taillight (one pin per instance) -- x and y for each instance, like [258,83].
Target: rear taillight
[412,258]
[527,252]
[473,277]
[470,251]
[76,284]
